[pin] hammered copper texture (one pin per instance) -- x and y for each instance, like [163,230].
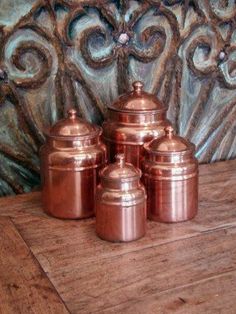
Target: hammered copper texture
[56,53]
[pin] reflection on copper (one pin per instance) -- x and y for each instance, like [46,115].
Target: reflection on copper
[134,119]
[120,203]
[171,178]
[70,162]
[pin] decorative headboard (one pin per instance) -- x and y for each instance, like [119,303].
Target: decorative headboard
[55,54]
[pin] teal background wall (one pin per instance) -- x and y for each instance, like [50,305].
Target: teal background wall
[55,54]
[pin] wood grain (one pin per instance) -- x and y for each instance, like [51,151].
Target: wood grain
[131,277]
[79,242]
[24,287]
[208,296]
[176,268]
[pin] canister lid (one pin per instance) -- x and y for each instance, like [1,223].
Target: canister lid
[120,172]
[72,127]
[138,101]
[170,143]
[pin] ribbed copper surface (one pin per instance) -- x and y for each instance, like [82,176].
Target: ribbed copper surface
[120,203]
[70,162]
[134,119]
[171,178]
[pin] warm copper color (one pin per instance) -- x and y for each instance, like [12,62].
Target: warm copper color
[171,178]
[94,276]
[70,161]
[134,119]
[120,203]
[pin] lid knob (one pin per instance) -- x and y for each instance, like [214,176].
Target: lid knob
[120,158]
[169,130]
[72,113]
[138,87]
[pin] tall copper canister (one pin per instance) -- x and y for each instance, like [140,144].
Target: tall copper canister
[70,162]
[134,119]
[170,173]
[120,203]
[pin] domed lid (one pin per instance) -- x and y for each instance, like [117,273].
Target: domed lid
[72,127]
[120,171]
[170,143]
[138,101]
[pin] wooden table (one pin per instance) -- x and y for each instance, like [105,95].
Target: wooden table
[49,265]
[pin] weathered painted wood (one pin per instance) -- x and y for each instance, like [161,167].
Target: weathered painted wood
[24,287]
[58,54]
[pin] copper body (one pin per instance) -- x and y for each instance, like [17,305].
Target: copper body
[120,203]
[70,161]
[134,119]
[171,178]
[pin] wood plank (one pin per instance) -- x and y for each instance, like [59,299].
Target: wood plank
[208,296]
[90,274]
[217,167]
[24,287]
[71,241]
[28,203]
[132,277]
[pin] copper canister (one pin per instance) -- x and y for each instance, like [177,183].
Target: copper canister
[134,119]
[70,162]
[171,178]
[120,203]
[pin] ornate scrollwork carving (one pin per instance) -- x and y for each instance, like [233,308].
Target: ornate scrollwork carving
[85,53]
[203,50]
[118,37]
[208,55]
[222,10]
[24,71]
[44,58]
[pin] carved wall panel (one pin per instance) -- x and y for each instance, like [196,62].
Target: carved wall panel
[55,54]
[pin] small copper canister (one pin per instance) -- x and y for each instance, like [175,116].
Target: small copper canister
[171,178]
[134,119]
[70,162]
[120,203]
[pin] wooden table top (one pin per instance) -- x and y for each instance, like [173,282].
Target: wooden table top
[49,265]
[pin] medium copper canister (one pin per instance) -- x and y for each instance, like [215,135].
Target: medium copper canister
[134,119]
[70,162]
[120,203]
[170,174]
